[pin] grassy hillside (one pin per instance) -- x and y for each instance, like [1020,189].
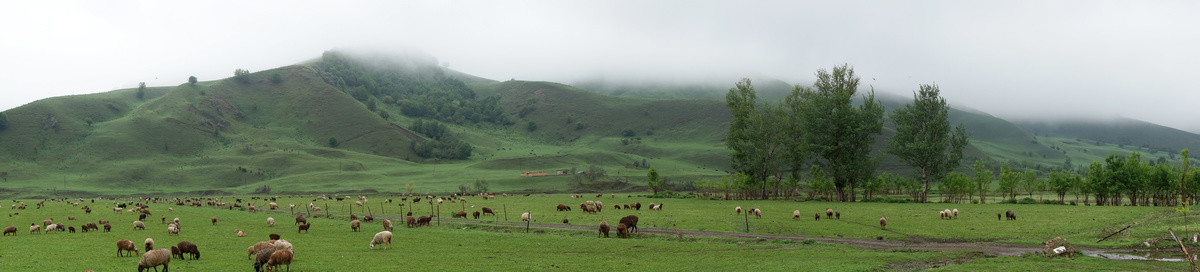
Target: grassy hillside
[1124,133]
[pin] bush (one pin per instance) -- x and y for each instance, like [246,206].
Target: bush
[808,241]
[1009,201]
[192,80]
[531,126]
[1027,200]
[628,133]
[333,142]
[276,78]
[1073,203]
[1051,202]
[241,75]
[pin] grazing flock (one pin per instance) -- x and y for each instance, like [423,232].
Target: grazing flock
[276,253]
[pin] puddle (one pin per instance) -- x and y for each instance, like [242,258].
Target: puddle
[1165,256]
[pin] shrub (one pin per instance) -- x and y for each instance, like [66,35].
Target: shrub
[276,78]
[1051,202]
[1027,200]
[1009,201]
[192,80]
[241,75]
[808,241]
[1073,203]
[531,126]
[628,133]
[333,142]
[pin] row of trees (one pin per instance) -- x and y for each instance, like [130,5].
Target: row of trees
[825,130]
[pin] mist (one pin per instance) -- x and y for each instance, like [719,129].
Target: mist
[1029,61]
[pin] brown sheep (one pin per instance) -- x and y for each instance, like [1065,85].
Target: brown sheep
[214,221]
[354,225]
[125,245]
[616,206]
[998,216]
[817,216]
[603,229]
[107,227]
[636,205]
[475,214]
[837,215]
[566,222]
[564,207]
[149,244]
[353,217]
[273,236]
[626,206]
[176,253]
[10,229]
[487,211]
[622,231]
[1010,215]
[368,218]
[460,213]
[387,225]
[189,248]
[303,227]
[72,229]
[155,258]
[410,222]
[828,213]
[630,222]
[300,220]
[424,220]
[261,257]
[280,257]
[258,247]
[883,222]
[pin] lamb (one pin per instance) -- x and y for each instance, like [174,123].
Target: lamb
[796,214]
[955,211]
[124,245]
[10,229]
[622,231]
[303,227]
[387,224]
[382,238]
[155,258]
[214,221]
[525,216]
[270,221]
[175,252]
[737,209]
[410,222]
[280,257]
[837,215]
[189,248]
[354,225]
[261,257]
[172,230]
[1010,215]
[139,225]
[149,244]
[487,211]
[300,219]
[259,247]
[630,222]
[883,222]
[603,229]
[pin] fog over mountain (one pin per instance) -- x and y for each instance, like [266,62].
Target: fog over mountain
[1019,60]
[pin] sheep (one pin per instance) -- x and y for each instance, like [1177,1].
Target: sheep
[176,253]
[828,213]
[280,257]
[410,222]
[383,238]
[270,221]
[155,258]
[525,216]
[51,227]
[274,237]
[353,217]
[214,221]
[34,228]
[189,248]
[149,244]
[139,225]
[796,214]
[475,214]
[261,257]
[368,218]
[70,218]
[124,245]
[599,206]
[303,227]
[955,212]
[354,225]
[757,212]
[47,222]
[626,206]
[163,220]
[636,205]
[240,233]
[998,216]
[591,203]
[424,220]
[630,222]
[258,247]
[10,229]
[1010,215]
[300,220]
[942,214]
[883,222]
[460,213]
[737,209]
[622,231]
[487,211]
[176,221]
[172,230]
[617,206]
[603,229]
[282,244]
[72,229]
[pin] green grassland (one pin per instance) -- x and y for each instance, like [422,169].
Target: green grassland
[332,246]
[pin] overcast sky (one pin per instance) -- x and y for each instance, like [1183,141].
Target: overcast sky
[1026,59]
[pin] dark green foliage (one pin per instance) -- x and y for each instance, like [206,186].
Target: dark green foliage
[384,115]
[443,144]
[421,90]
[838,133]
[758,136]
[433,130]
[924,138]
[241,75]
[141,92]
[333,142]
[3,121]
[192,80]
[654,181]
[628,133]
[531,126]
[275,77]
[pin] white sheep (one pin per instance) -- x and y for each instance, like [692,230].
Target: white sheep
[270,221]
[525,216]
[382,238]
[737,209]
[796,214]
[149,244]
[139,225]
[172,230]
[51,227]
[282,244]
[955,213]
[155,258]
[240,233]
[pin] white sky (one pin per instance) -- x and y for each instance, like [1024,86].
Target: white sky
[1021,59]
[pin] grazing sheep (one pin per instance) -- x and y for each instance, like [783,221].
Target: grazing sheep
[139,225]
[475,214]
[410,222]
[34,228]
[353,217]
[240,233]
[883,222]
[303,227]
[626,206]
[354,225]
[424,220]
[796,214]
[636,205]
[1010,215]
[270,221]
[837,215]
[525,216]
[176,221]
[828,213]
[274,237]
[382,238]
[172,230]
[460,213]
[72,229]
[149,244]
[261,257]
[282,244]
[368,218]
[70,218]
[998,216]
[47,222]
[51,227]
[188,248]
[603,229]
[280,257]
[10,229]
[176,253]
[155,258]
[622,231]
[737,209]
[942,214]
[214,221]
[124,245]
[630,222]
[757,212]
[163,219]
[817,216]
[259,247]
[300,219]
[617,206]
[487,211]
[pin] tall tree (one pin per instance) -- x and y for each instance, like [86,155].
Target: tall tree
[756,136]
[141,92]
[924,138]
[983,180]
[1008,181]
[653,180]
[839,134]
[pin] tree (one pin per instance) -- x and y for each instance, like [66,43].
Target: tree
[481,185]
[837,133]
[241,75]
[756,136]
[409,187]
[141,92]
[192,80]
[1008,181]
[983,180]
[1029,182]
[653,180]
[3,121]
[1060,183]
[333,142]
[275,77]
[924,138]
[531,126]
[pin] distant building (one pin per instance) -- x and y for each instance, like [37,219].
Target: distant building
[562,172]
[535,174]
